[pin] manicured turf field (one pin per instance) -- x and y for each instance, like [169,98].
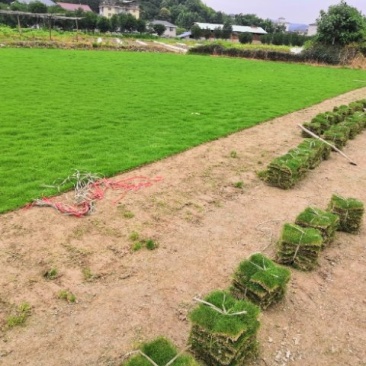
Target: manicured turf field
[111,111]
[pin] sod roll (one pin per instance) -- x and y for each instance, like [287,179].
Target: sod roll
[326,222]
[299,247]
[285,171]
[260,280]
[224,330]
[350,212]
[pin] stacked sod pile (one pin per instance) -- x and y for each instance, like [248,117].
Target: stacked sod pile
[160,352]
[338,135]
[320,123]
[287,170]
[315,150]
[260,280]
[299,247]
[344,123]
[356,122]
[224,330]
[350,212]
[326,222]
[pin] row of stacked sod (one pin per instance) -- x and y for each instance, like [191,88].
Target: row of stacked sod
[336,127]
[260,280]
[324,121]
[285,171]
[342,132]
[225,325]
[224,330]
[300,243]
[350,212]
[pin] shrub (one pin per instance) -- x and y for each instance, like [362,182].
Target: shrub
[21,314]
[245,37]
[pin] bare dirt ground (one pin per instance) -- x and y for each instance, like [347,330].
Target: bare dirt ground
[204,226]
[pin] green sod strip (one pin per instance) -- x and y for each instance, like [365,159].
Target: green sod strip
[107,112]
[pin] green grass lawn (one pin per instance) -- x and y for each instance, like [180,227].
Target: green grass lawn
[108,112]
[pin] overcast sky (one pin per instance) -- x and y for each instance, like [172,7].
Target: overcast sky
[295,11]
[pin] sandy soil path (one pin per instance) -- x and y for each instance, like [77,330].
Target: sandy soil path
[204,226]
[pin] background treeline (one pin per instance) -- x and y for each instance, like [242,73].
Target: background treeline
[89,22]
[182,13]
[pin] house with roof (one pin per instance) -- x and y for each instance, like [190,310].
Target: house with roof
[255,31]
[108,8]
[170,29]
[299,28]
[313,29]
[74,7]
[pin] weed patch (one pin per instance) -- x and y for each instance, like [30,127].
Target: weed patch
[21,314]
[67,295]
[51,274]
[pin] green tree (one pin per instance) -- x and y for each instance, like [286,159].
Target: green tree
[37,7]
[103,24]
[196,31]
[217,33]
[207,33]
[159,29]
[89,21]
[164,14]
[18,6]
[114,23]
[340,25]
[141,26]
[246,37]
[227,30]
[131,23]
[248,20]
